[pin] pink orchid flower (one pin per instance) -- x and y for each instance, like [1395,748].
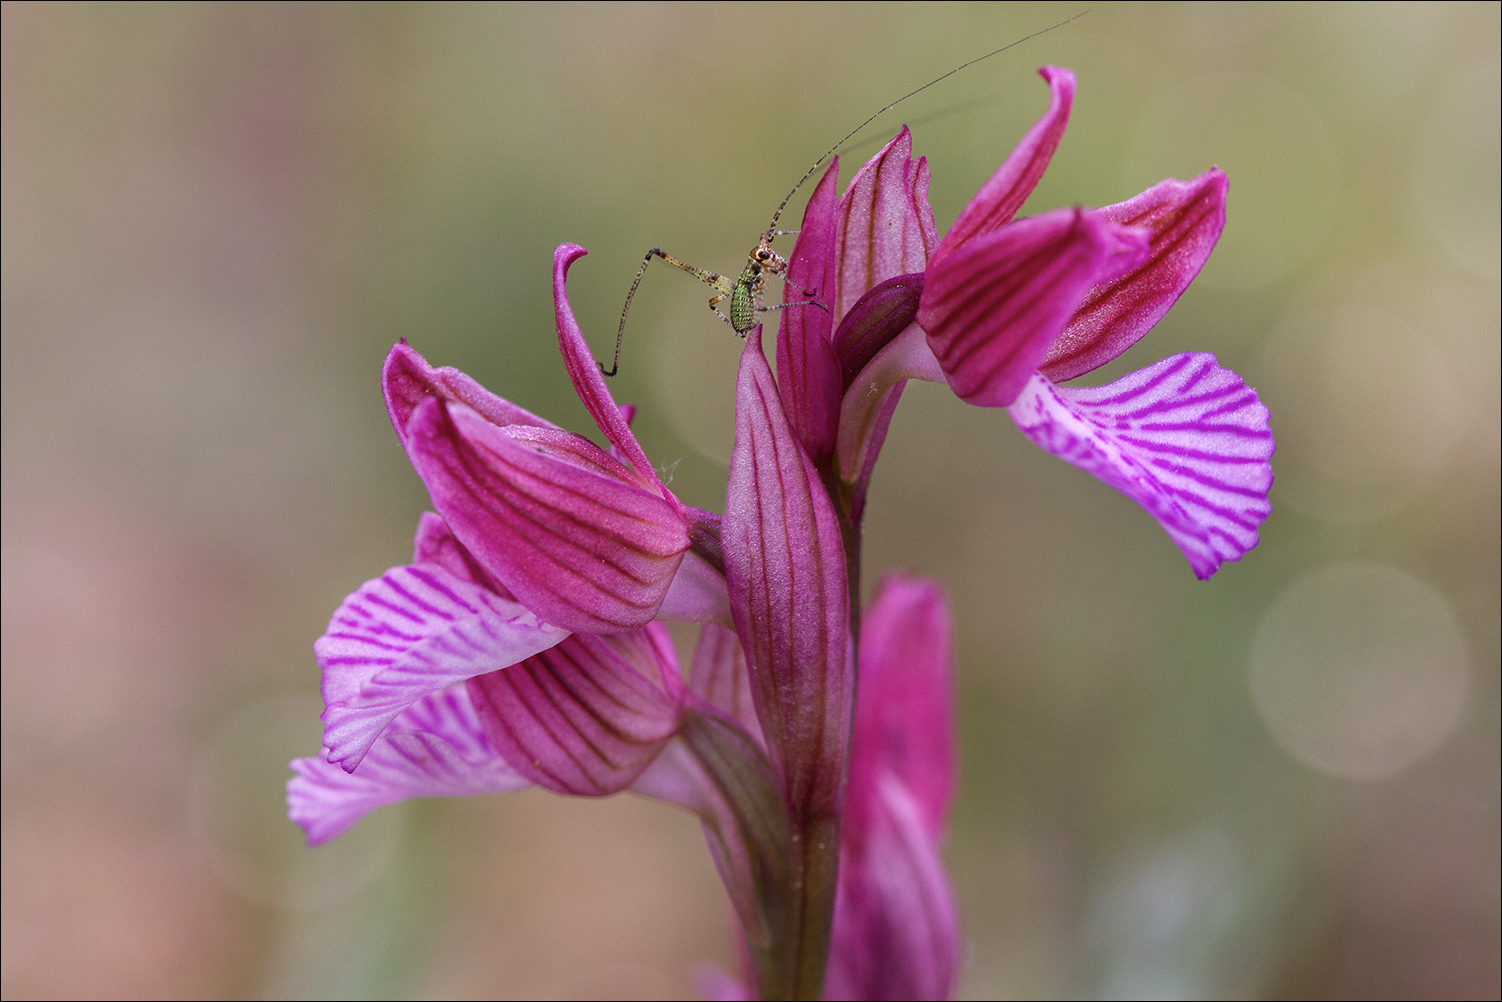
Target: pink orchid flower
[544,534]
[1002,309]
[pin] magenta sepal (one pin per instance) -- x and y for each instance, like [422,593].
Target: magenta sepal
[434,748]
[896,926]
[1184,438]
[576,536]
[587,716]
[1184,220]
[884,312]
[904,714]
[407,380]
[589,383]
[884,226]
[785,568]
[896,922]
[809,375]
[994,305]
[719,676]
[1004,193]
[409,633]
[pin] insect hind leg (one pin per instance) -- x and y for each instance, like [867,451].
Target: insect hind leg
[713,279]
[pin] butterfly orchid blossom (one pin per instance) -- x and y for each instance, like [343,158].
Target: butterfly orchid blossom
[524,644]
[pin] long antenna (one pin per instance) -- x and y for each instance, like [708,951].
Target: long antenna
[819,162]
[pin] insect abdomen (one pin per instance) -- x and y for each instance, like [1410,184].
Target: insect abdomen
[743,302]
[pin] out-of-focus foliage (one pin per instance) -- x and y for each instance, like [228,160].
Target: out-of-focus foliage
[215,221]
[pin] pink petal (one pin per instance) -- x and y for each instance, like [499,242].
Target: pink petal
[434,748]
[587,716]
[904,712]
[558,521]
[588,381]
[1185,219]
[993,307]
[868,404]
[884,312]
[785,565]
[697,594]
[809,376]
[435,544]
[1185,439]
[407,380]
[407,634]
[719,676]
[884,226]
[999,198]
[896,924]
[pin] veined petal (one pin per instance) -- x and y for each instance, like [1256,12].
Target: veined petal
[1185,439]
[434,748]
[785,566]
[587,716]
[435,544]
[876,318]
[896,924]
[904,712]
[405,635]
[407,380]
[809,375]
[1185,219]
[587,551]
[999,198]
[993,307]
[589,383]
[884,226]
[719,677]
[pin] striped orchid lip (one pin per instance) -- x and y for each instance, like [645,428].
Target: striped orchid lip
[1186,439]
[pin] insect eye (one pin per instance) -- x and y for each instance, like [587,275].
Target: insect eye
[763,255]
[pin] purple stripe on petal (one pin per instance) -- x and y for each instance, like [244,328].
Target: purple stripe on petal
[809,375]
[407,380]
[1000,197]
[584,717]
[785,567]
[884,226]
[1185,219]
[719,677]
[375,664]
[434,748]
[587,551]
[992,307]
[1206,482]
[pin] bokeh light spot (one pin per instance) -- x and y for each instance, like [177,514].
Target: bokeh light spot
[1359,670]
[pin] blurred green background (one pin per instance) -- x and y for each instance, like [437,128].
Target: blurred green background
[216,220]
